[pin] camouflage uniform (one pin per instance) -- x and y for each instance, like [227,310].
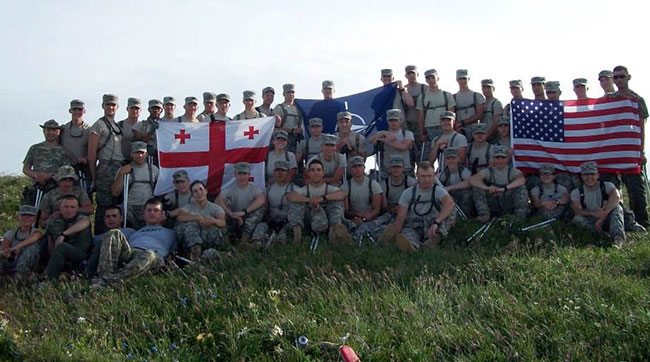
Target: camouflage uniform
[592,200]
[116,251]
[463,197]
[28,258]
[50,202]
[44,158]
[191,233]
[319,220]
[421,214]
[555,193]
[73,250]
[613,223]
[512,201]
[291,117]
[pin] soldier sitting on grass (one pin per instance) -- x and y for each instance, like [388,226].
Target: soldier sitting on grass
[455,178]
[20,250]
[363,199]
[277,205]
[65,178]
[550,199]
[174,201]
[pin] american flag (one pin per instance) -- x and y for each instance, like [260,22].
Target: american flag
[568,133]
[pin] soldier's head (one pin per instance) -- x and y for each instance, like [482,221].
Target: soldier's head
[268,95]
[447,119]
[280,139]
[109,105]
[487,88]
[191,106]
[315,127]
[396,164]
[26,215]
[281,171]
[344,121]
[411,73]
[223,104]
[553,90]
[580,88]
[68,206]
[606,80]
[289,92]
[249,99]
[181,181]
[113,217]
[139,152]
[503,126]
[155,108]
[462,77]
[589,173]
[480,133]
[516,88]
[329,144]
[425,175]
[393,116]
[500,156]
[357,167]
[153,211]
[387,76]
[169,105]
[538,85]
[133,108]
[210,102]
[431,77]
[77,109]
[451,158]
[547,173]
[316,170]
[51,130]
[199,193]
[65,177]
[328,89]
[621,77]
[242,173]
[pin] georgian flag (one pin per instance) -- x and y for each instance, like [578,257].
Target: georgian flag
[208,151]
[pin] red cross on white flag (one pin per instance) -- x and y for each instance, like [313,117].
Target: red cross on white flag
[208,151]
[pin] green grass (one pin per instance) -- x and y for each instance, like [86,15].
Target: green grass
[553,294]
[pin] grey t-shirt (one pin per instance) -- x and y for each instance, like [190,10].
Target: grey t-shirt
[434,103]
[593,197]
[330,166]
[414,90]
[454,139]
[291,116]
[177,200]
[466,103]
[448,177]
[358,194]
[156,238]
[238,198]
[74,139]
[314,144]
[210,209]
[391,152]
[393,191]
[492,106]
[110,142]
[274,157]
[127,137]
[549,193]
[357,140]
[500,177]
[243,115]
[312,191]
[425,202]
[15,236]
[278,205]
[140,184]
[479,154]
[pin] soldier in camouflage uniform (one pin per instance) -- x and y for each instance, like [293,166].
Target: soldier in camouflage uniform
[199,224]
[68,237]
[249,107]
[209,107]
[415,90]
[145,131]
[606,80]
[455,178]
[310,146]
[350,143]
[596,204]
[145,250]
[470,105]
[479,152]
[133,109]
[169,106]
[448,138]
[174,201]
[394,142]
[499,189]
[426,214]
[402,97]
[538,85]
[223,105]
[550,199]
[363,200]
[516,89]
[553,91]
[493,108]
[74,138]
[580,88]
[319,205]
[268,95]
[432,103]
[19,249]
[104,145]
[65,178]
[277,204]
[288,116]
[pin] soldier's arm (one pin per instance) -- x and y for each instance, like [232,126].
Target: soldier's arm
[78,226]
[93,145]
[446,209]
[406,97]
[185,216]
[336,178]
[578,210]
[401,216]
[519,180]
[480,108]
[534,197]
[221,221]
[221,202]
[402,145]
[260,201]
[459,186]
[377,201]
[31,239]
[118,184]
[477,181]
[293,196]
[612,201]
[338,195]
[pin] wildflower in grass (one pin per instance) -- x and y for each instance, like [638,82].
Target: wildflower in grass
[202,337]
[276,331]
[252,305]
[154,349]
[70,347]
[81,320]
[184,300]
[130,356]
[242,332]
[213,296]
[125,345]
[173,346]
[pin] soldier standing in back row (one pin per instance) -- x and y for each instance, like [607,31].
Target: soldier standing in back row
[493,109]
[350,143]
[223,105]
[209,107]
[289,118]
[169,106]
[268,95]
[249,107]
[415,90]
[469,105]
[516,90]
[145,131]
[538,84]
[395,141]
[553,91]
[128,125]
[431,103]
[190,107]
[74,138]
[606,81]
[402,97]
[580,88]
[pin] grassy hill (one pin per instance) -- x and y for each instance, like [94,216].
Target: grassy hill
[557,293]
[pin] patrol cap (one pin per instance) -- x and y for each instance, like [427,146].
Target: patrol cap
[516,83]
[553,86]
[209,97]
[180,175]
[133,102]
[109,99]
[328,84]
[77,103]
[387,72]
[343,115]
[393,114]
[27,210]
[500,151]
[191,99]
[138,146]
[356,161]
[50,124]
[249,94]
[65,171]
[329,139]
[489,82]
[480,128]
[430,73]
[268,89]
[288,88]
[155,103]
[396,161]
[281,134]
[462,73]
[579,81]
[503,120]
[411,68]
[450,152]
[169,100]
[588,167]
[281,165]
[447,115]
[537,80]
[223,97]
[315,122]
[242,167]
[546,168]
[605,73]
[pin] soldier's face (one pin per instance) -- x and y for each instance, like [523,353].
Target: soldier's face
[113,219]
[242,178]
[26,220]
[516,92]
[249,103]
[411,76]
[328,149]
[452,162]
[134,112]
[397,171]
[66,184]
[199,193]
[69,208]
[345,124]
[77,113]
[210,106]
[289,96]
[589,179]
[223,106]
[280,143]
[446,124]
[153,214]
[425,177]
[547,178]
[580,91]
[182,186]
[500,161]
[328,93]
[316,172]
[51,134]
[386,79]
[280,175]
[503,129]
[139,157]
[432,80]
[479,136]
[109,109]
[169,108]
[553,96]
[393,124]
[487,90]
[606,83]
[462,82]
[316,130]
[191,108]
[155,112]
[621,78]
[538,89]
[268,98]
[357,170]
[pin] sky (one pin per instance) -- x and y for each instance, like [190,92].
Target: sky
[55,51]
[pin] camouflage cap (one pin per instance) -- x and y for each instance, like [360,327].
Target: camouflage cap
[588,167]
[343,115]
[288,88]
[209,97]
[27,210]
[249,94]
[65,171]
[450,152]
[500,151]
[410,68]
[393,114]
[315,122]
[387,72]
[546,168]
[191,99]
[223,97]
[155,103]
[552,86]
[133,102]
[328,84]
[329,139]
[537,80]
[480,128]
[431,73]
[448,115]
[77,104]
[281,134]
[503,120]
[516,83]
[281,165]
[109,98]
[268,89]
[356,161]
[579,81]
[606,74]
[50,124]
[462,73]
[169,100]
[180,175]
[396,161]
[489,82]
[242,167]
[138,146]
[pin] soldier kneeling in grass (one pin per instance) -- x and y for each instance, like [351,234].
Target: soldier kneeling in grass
[20,250]
[596,204]
[426,213]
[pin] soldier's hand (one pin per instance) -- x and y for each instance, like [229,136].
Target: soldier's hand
[15,251]
[389,137]
[278,121]
[125,169]
[42,176]
[422,137]
[599,225]
[59,240]
[82,160]
[600,214]
[315,202]
[399,85]
[432,229]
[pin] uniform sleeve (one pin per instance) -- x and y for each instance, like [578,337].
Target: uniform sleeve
[561,190]
[410,181]
[440,193]
[460,141]
[408,135]
[362,143]
[465,174]
[376,188]
[259,190]
[98,128]
[480,98]
[292,160]
[218,210]
[301,147]
[535,191]
[343,162]
[419,104]
[498,107]
[302,191]
[278,111]
[405,197]
[344,187]
[29,157]
[575,195]
[155,173]
[609,187]
[451,101]
[9,235]
[485,173]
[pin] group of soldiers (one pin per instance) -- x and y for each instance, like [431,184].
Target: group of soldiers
[444,156]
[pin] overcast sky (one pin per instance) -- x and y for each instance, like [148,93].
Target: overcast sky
[54,51]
